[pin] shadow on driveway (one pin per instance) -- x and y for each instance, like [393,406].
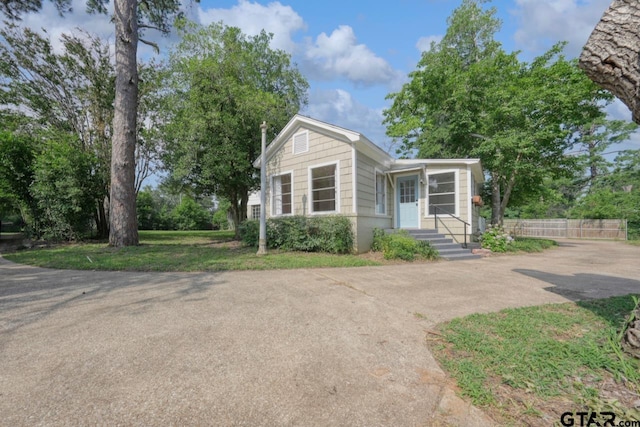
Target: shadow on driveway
[582,286]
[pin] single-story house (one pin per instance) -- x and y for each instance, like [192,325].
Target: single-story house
[315,168]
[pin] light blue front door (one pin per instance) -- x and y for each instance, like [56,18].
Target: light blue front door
[407,202]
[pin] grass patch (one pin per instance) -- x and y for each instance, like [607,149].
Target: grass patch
[178,251]
[530,244]
[527,366]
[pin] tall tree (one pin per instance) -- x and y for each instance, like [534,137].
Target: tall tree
[594,139]
[71,91]
[129,20]
[469,98]
[223,84]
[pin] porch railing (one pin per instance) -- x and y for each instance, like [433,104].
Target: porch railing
[435,219]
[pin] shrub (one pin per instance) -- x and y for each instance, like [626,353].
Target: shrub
[400,245]
[190,215]
[495,239]
[331,234]
[250,232]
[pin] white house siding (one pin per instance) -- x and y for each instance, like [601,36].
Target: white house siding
[367,218]
[322,150]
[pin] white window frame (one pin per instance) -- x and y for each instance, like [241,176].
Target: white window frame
[456,173]
[273,194]
[377,173]
[253,209]
[337,187]
[293,143]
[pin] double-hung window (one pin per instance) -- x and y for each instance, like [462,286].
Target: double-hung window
[281,194]
[324,188]
[255,211]
[442,193]
[381,193]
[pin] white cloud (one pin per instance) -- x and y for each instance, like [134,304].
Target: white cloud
[51,24]
[49,21]
[424,43]
[339,55]
[545,22]
[338,107]
[282,21]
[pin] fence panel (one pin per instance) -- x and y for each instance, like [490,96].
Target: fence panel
[571,228]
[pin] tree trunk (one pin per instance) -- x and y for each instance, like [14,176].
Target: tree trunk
[631,339]
[122,216]
[102,223]
[610,57]
[496,204]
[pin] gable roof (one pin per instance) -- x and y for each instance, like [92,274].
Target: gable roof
[361,143]
[356,139]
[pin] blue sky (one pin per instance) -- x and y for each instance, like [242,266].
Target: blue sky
[355,52]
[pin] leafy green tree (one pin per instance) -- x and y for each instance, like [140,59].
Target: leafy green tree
[221,86]
[129,20]
[71,92]
[190,215]
[65,189]
[17,157]
[616,194]
[74,92]
[221,215]
[469,98]
[594,139]
[146,210]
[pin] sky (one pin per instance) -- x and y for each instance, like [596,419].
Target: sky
[354,52]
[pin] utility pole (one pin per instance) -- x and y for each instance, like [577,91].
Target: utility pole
[262,244]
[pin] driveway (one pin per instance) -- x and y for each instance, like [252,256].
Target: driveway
[297,347]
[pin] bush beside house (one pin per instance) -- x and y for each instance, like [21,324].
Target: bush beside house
[332,234]
[400,245]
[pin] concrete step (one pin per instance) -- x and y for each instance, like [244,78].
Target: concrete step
[444,245]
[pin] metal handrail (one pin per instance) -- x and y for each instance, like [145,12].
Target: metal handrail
[435,218]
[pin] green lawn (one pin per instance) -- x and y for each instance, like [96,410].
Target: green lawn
[178,251]
[530,244]
[527,366]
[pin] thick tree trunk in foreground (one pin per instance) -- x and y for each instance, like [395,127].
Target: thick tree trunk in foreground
[611,56]
[124,228]
[631,339]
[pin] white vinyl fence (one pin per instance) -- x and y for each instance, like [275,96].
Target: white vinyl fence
[569,228]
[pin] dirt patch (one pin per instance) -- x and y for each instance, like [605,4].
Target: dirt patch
[231,244]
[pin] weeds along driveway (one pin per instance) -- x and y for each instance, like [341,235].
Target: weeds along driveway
[294,347]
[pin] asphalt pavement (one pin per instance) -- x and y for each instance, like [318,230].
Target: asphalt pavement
[311,347]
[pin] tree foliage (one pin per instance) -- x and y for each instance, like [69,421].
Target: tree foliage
[72,92]
[221,86]
[130,19]
[470,98]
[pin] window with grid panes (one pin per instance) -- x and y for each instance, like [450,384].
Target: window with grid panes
[323,189]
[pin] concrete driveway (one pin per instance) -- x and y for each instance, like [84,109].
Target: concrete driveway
[298,347]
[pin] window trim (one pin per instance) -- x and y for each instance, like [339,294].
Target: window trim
[272,194]
[253,208]
[337,186]
[293,143]
[456,173]
[375,192]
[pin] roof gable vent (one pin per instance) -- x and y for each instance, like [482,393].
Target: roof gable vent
[301,142]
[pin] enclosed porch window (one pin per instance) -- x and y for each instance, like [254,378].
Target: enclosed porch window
[442,193]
